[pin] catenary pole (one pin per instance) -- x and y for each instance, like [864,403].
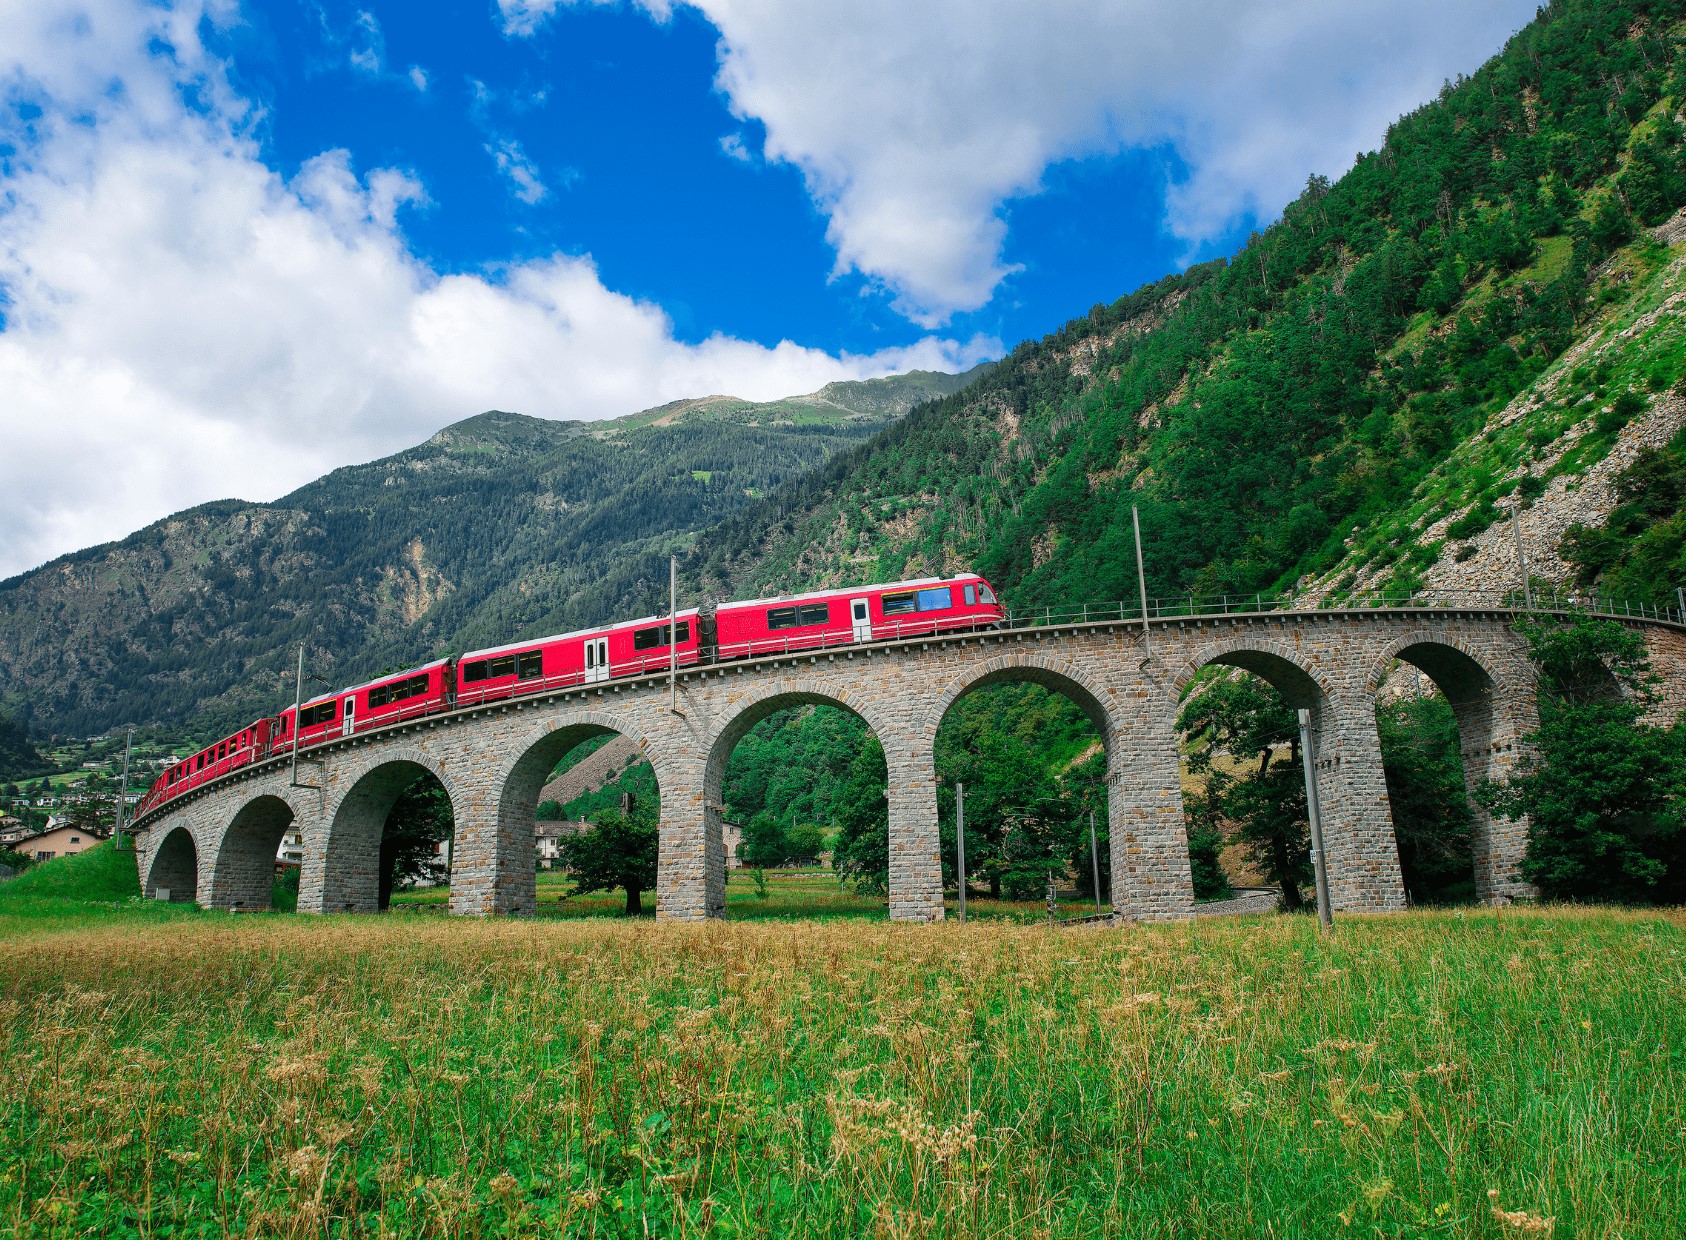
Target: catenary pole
[960,842]
[1095,860]
[1141,584]
[123,790]
[298,702]
[673,634]
[1314,812]
[1521,556]
[1680,597]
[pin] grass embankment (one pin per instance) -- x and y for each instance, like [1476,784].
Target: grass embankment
[411,1076]
[66,892]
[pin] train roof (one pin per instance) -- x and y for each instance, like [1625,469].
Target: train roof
[595,630]
[844,591]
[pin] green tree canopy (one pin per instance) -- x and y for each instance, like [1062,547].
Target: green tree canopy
[419,820]
[620,851]
[1604,790]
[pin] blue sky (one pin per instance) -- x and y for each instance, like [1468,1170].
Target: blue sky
[620,128]
[243,242]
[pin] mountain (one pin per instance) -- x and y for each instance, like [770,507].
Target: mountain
[1483,312]
[497,527]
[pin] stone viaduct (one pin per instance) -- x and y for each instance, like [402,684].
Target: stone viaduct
[217,845]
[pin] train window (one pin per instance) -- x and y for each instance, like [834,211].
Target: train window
[473,673]
[529,665]
[656,635]
[971,596]
[985,593]
[900,604]
[380,695]
[938,598]
[310,716]
[503,665]
[798,617]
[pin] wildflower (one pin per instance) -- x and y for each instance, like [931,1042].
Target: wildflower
[1520,1220]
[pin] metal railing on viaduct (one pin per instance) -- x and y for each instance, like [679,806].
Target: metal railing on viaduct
[217,844]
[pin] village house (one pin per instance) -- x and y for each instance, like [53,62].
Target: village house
[58,841]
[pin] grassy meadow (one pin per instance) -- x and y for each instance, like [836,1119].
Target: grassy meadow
[169,1072]
[790,895]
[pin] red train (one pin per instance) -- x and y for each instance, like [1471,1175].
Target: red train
[744,630]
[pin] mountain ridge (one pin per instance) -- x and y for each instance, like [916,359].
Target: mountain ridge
[494,525]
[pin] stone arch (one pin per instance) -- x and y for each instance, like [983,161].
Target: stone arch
[342,872]
[908,868]
[768,700]
[174,865]
[1059,675]
[242,868]
[1491,712]
[498,874]
[1300,686]
[1457,668]
[1360,848]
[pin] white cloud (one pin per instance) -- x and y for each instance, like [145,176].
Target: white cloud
[522,172]
[913,123]
[182,324]
[418,77]
[736,148]
[369,53]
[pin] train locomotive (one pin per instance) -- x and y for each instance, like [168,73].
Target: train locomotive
[740,630]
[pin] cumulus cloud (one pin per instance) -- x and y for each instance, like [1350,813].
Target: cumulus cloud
[914,124]
[183,324]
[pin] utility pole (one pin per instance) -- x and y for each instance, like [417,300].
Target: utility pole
[1314,813]
[123,791]
[1095,860]
[1521,555]
[298,702]
[673,634]
[1141,584]
[960,842]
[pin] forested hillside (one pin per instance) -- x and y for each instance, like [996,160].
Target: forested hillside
[1323,405]
[498,526]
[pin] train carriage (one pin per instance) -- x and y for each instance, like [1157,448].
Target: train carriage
[868,613]
[424,690]
[229,754]
[580,657]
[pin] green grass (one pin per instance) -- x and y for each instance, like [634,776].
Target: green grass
[800,895]
[1428,1074]
[67,891]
